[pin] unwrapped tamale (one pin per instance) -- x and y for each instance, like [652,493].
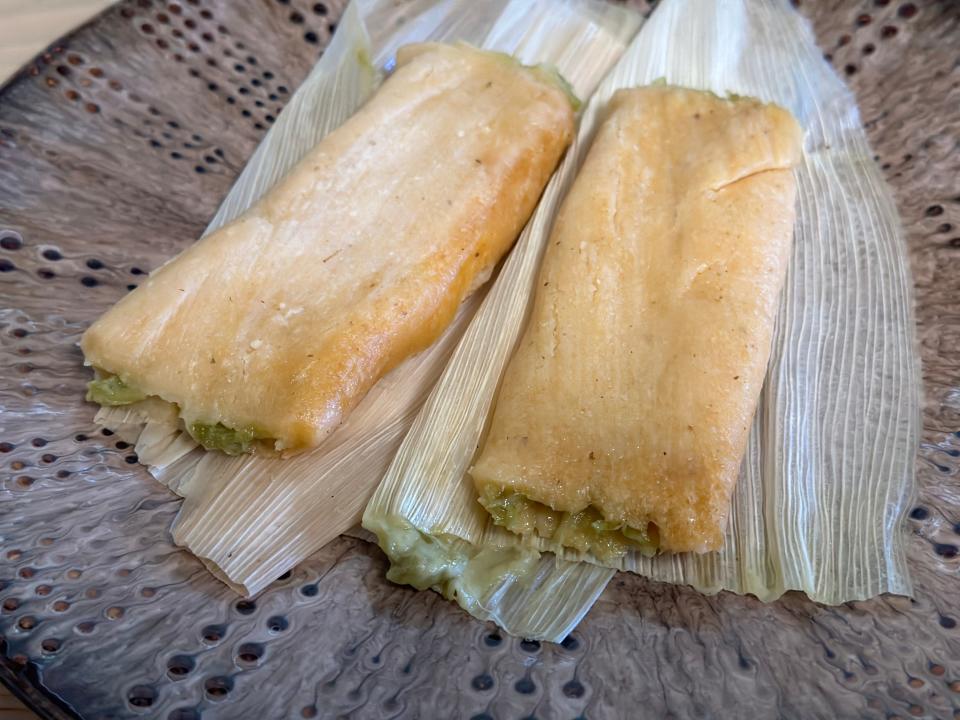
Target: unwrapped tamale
[267,332]
[622,418]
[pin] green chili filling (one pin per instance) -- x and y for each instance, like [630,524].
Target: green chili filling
[232,441]
[112,391]
[585,530]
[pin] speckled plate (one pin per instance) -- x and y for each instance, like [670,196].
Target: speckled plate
[116,146]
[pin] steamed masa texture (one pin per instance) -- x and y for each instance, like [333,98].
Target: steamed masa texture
[623,415]
[275,326]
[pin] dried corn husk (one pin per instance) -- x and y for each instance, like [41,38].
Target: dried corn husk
[252,518]
[828,472]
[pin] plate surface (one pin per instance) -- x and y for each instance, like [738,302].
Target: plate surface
[116,147]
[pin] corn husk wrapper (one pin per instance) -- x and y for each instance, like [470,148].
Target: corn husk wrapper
[828,471]
[250,519]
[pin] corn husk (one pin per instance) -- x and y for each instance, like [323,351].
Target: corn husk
[828,471]
[250,519]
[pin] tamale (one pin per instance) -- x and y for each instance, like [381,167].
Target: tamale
[267,332]
[623,415]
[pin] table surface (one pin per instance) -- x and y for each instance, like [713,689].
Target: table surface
[29,25]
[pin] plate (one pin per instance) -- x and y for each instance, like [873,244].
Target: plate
[116,147]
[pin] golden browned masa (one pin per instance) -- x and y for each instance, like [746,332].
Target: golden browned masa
[281,321]
[624,413]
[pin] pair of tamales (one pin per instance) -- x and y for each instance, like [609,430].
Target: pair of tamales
[622,417]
